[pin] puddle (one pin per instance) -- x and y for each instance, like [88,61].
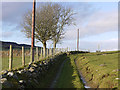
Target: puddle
[83,80]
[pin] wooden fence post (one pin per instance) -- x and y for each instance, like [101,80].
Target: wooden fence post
[37,54]
[44,52]
[23,56]
[30,55]
[10,57]
[50,51]
[41,53]
[60,50]
[67,49]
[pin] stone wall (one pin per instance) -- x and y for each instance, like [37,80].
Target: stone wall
[29,75]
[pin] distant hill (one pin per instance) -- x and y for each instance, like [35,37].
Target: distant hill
[6,45]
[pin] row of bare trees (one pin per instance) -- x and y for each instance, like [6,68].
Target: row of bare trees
[51,18]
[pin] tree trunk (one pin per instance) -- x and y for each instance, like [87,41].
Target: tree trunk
[44,49]
[54,45]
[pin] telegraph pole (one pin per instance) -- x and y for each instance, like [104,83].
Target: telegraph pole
[33,31]
[78,40]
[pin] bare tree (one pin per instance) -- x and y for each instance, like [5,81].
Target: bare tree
[63,17]
[44,23]
[50,21]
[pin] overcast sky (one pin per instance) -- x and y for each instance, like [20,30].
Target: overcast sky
[97,22]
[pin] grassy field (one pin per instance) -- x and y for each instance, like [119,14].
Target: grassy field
[17,62]
[17,58]
[99,69]
[69,77]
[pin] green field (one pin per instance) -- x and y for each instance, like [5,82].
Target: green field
[99,69]
[17,62]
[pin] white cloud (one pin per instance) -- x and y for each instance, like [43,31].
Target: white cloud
[98,23]
[101,22]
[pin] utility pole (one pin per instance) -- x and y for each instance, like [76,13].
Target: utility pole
[78,40]
[98,47]
[33,31]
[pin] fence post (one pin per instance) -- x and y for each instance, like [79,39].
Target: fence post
[10,57]
[30,55]
[37,54]
[50,51]
[41,53]
[67,49]
[60,50]
[44,52]
[23,56]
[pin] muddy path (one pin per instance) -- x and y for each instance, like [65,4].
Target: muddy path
[58,74]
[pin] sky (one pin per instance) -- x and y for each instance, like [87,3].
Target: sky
[97,22]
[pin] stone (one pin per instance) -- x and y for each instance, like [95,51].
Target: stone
[34,75]
[40,64]
[116,70]
[102,65]
[29,66]
[15,77]
[45,63]
[10,74]
[28,73]
[32,69]
[34,65]
[21,87]
[3,80]
[19,72]
[36,81]
[117,78]
[21,81]
[4,72]
[8,84]
[4,75]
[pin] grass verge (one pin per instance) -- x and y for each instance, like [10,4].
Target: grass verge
[69,77]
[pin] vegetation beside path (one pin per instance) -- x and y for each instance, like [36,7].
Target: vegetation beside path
[69,77]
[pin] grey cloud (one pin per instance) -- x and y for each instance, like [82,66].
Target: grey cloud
[100,24]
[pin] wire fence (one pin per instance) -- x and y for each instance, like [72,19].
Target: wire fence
[17,56]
